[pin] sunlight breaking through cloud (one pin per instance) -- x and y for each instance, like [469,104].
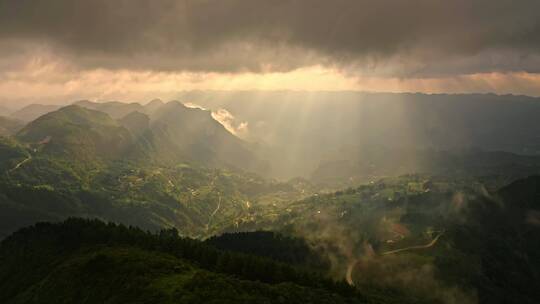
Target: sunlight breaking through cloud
[53,82]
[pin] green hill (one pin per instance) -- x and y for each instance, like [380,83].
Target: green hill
[92,262]
[77,133]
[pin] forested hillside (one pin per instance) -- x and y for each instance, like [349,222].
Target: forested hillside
[438,239]
[89,262]
[425,247]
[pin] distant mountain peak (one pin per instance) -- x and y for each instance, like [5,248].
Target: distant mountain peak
[115,109]
[153,106]
[78,133]
[33,111]
[83,102]
[175,103]
[79,115]
[136,122]
[155,101]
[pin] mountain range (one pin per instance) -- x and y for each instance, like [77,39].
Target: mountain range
[300,129]
[162,132]
[399,224]
[161,168]
[292,133]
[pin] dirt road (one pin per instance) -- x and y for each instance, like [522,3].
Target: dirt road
[430,244]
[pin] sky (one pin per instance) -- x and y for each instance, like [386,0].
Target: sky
[137,50]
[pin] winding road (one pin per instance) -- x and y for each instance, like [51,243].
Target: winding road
[17,166]
[350,267]
[218,206]
[214,213]
[430,244]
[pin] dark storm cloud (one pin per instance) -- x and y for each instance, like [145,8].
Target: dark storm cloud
[411,36]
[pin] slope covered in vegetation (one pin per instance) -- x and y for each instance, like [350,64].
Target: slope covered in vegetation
[91,262]
[441,239]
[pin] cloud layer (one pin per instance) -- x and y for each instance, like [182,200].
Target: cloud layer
[417,38]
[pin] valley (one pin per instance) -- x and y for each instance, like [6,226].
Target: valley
[389,227]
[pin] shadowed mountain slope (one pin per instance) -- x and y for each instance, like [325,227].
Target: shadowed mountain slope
[33,111]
